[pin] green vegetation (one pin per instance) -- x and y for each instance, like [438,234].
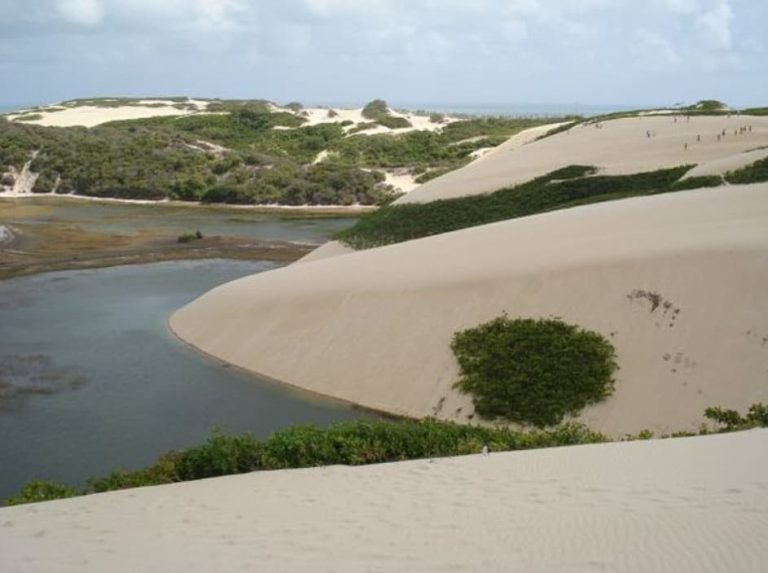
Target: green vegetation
[567,187]
[350,443]
[29,117]
[755,111]
[731,420]
[378,112]
[757,172]
[38,490]
[420,151]
[533,371]
[243,153]
[707,105]
[189,237]
[559,129]
[166,158]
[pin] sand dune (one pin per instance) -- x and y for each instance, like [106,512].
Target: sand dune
[689,505]
[617,147]
[91,116]
[374,327]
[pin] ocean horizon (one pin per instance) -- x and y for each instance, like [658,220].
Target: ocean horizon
[486,109]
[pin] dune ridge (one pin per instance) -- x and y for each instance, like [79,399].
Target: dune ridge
[616,147]
[683,505]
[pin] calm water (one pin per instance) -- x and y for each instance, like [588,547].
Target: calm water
[175,220]
[119,388]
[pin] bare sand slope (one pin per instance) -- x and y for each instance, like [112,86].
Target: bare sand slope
[617,147]
[689,505]
[91,116]
[375,327]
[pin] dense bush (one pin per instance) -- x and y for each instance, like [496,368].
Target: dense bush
[566,187]
[244,153]
[533,371]
[41,491]
[757,172]
[352,443]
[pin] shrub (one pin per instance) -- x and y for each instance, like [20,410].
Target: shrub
[533,371]
[375,109]
[757,417]
[219,455]
[41,491]
[756,172]
[189,237]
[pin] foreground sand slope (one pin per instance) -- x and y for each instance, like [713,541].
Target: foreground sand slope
[375,327]
[688,505]
[616,147]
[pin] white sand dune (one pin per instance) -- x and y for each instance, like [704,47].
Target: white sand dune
[375,327]
[91,116]
[318,115]
[688,505]
[617,147]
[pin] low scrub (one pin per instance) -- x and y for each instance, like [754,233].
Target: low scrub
[349,443]
[731,420]
[757,172]
[533,371]
[567,187]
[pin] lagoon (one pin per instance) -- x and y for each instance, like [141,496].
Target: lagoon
[92,380]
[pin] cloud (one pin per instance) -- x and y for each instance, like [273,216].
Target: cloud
[715,25]
[86,13]
[682,6]
[654,49]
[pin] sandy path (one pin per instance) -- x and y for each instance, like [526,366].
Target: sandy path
[618,147]
[689,505]
[375,327]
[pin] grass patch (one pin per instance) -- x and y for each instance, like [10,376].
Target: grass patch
[566,187]
[533,371]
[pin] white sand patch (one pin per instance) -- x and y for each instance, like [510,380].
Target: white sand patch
[6,235]
[23,181]
[90,116]
[481,152]
[375,327]
[322,156]
[619,146]
[400,179]
[687,505]
[318,115]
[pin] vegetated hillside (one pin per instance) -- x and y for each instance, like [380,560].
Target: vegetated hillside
[567,187]
[243,152]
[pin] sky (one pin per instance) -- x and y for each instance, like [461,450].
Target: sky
[589,52]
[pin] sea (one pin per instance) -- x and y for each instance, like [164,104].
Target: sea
[482,109]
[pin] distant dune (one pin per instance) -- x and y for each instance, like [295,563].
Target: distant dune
[616,147]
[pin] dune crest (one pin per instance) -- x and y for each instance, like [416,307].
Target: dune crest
[678,506]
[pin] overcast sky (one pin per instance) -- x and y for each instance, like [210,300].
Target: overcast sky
[405,51]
